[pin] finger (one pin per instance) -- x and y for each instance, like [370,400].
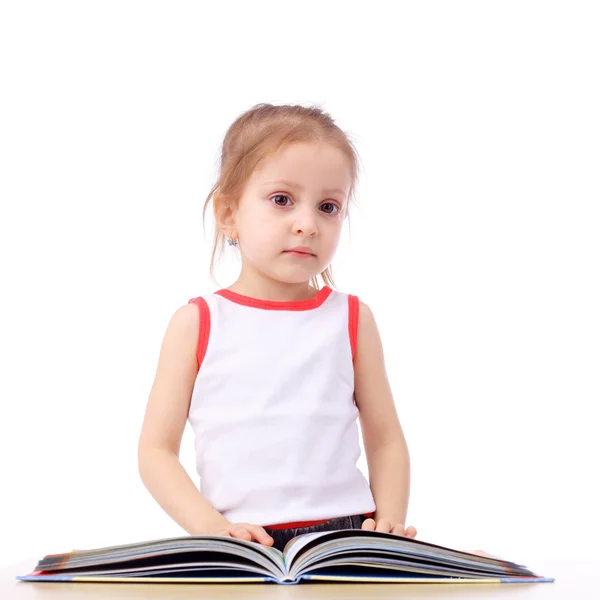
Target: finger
[481,553]
[261,535]
[384,525]
[411,532]
[369,525]
[242,533]
[398,530]
[224,533]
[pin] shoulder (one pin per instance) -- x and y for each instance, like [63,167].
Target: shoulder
[364,311]
[183,324]
[368,340]
[178,349]
[186,314]
[361,326]
[189,318]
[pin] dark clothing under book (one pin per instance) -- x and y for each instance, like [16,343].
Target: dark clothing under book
[282,536]
[348,555]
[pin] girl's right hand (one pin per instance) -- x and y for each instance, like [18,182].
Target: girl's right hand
[248,532]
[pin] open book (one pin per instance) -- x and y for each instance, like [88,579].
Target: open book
[352,555]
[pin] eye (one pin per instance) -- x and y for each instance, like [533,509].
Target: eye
[333,208]
[279,196]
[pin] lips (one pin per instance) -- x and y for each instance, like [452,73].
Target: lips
[296,253]
[304,250]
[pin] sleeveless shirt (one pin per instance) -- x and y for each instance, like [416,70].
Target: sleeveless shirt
[273,411]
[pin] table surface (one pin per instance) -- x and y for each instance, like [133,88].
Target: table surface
[570,576]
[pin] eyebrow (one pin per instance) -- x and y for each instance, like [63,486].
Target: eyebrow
[299,187]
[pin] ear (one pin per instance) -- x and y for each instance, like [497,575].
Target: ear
[225,209]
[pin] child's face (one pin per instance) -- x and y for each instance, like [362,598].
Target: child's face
[308,210]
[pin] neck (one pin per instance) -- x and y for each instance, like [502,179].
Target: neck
[265,288]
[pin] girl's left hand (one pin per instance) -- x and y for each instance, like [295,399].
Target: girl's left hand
[386,526]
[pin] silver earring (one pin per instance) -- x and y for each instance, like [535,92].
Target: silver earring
[231,241]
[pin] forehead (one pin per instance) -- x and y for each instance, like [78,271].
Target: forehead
[310,165]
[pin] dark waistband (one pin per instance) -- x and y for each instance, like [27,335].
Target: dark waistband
[297,524]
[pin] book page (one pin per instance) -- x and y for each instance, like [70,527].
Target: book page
[306,551]
[296,544]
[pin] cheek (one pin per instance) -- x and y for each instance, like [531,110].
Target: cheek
[332,240]
[334,232]
[257,218]
[261,225]
[260,239]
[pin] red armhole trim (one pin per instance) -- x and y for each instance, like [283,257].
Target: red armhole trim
[353,322]
[204,328]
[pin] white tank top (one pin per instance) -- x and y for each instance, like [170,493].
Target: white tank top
[272,408]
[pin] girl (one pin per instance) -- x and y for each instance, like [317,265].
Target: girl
[274,371]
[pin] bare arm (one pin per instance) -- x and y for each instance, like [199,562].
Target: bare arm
[163,426]
[386,450]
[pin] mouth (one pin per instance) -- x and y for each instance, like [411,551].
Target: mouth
[300,253]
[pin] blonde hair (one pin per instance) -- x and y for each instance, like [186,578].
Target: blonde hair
[260,132]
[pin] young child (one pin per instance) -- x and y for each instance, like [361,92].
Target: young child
[273,372]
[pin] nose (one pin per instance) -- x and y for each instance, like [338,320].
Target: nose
[305,222]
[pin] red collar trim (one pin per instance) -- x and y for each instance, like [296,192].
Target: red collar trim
[309,304]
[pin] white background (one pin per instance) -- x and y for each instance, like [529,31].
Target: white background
[474,240]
